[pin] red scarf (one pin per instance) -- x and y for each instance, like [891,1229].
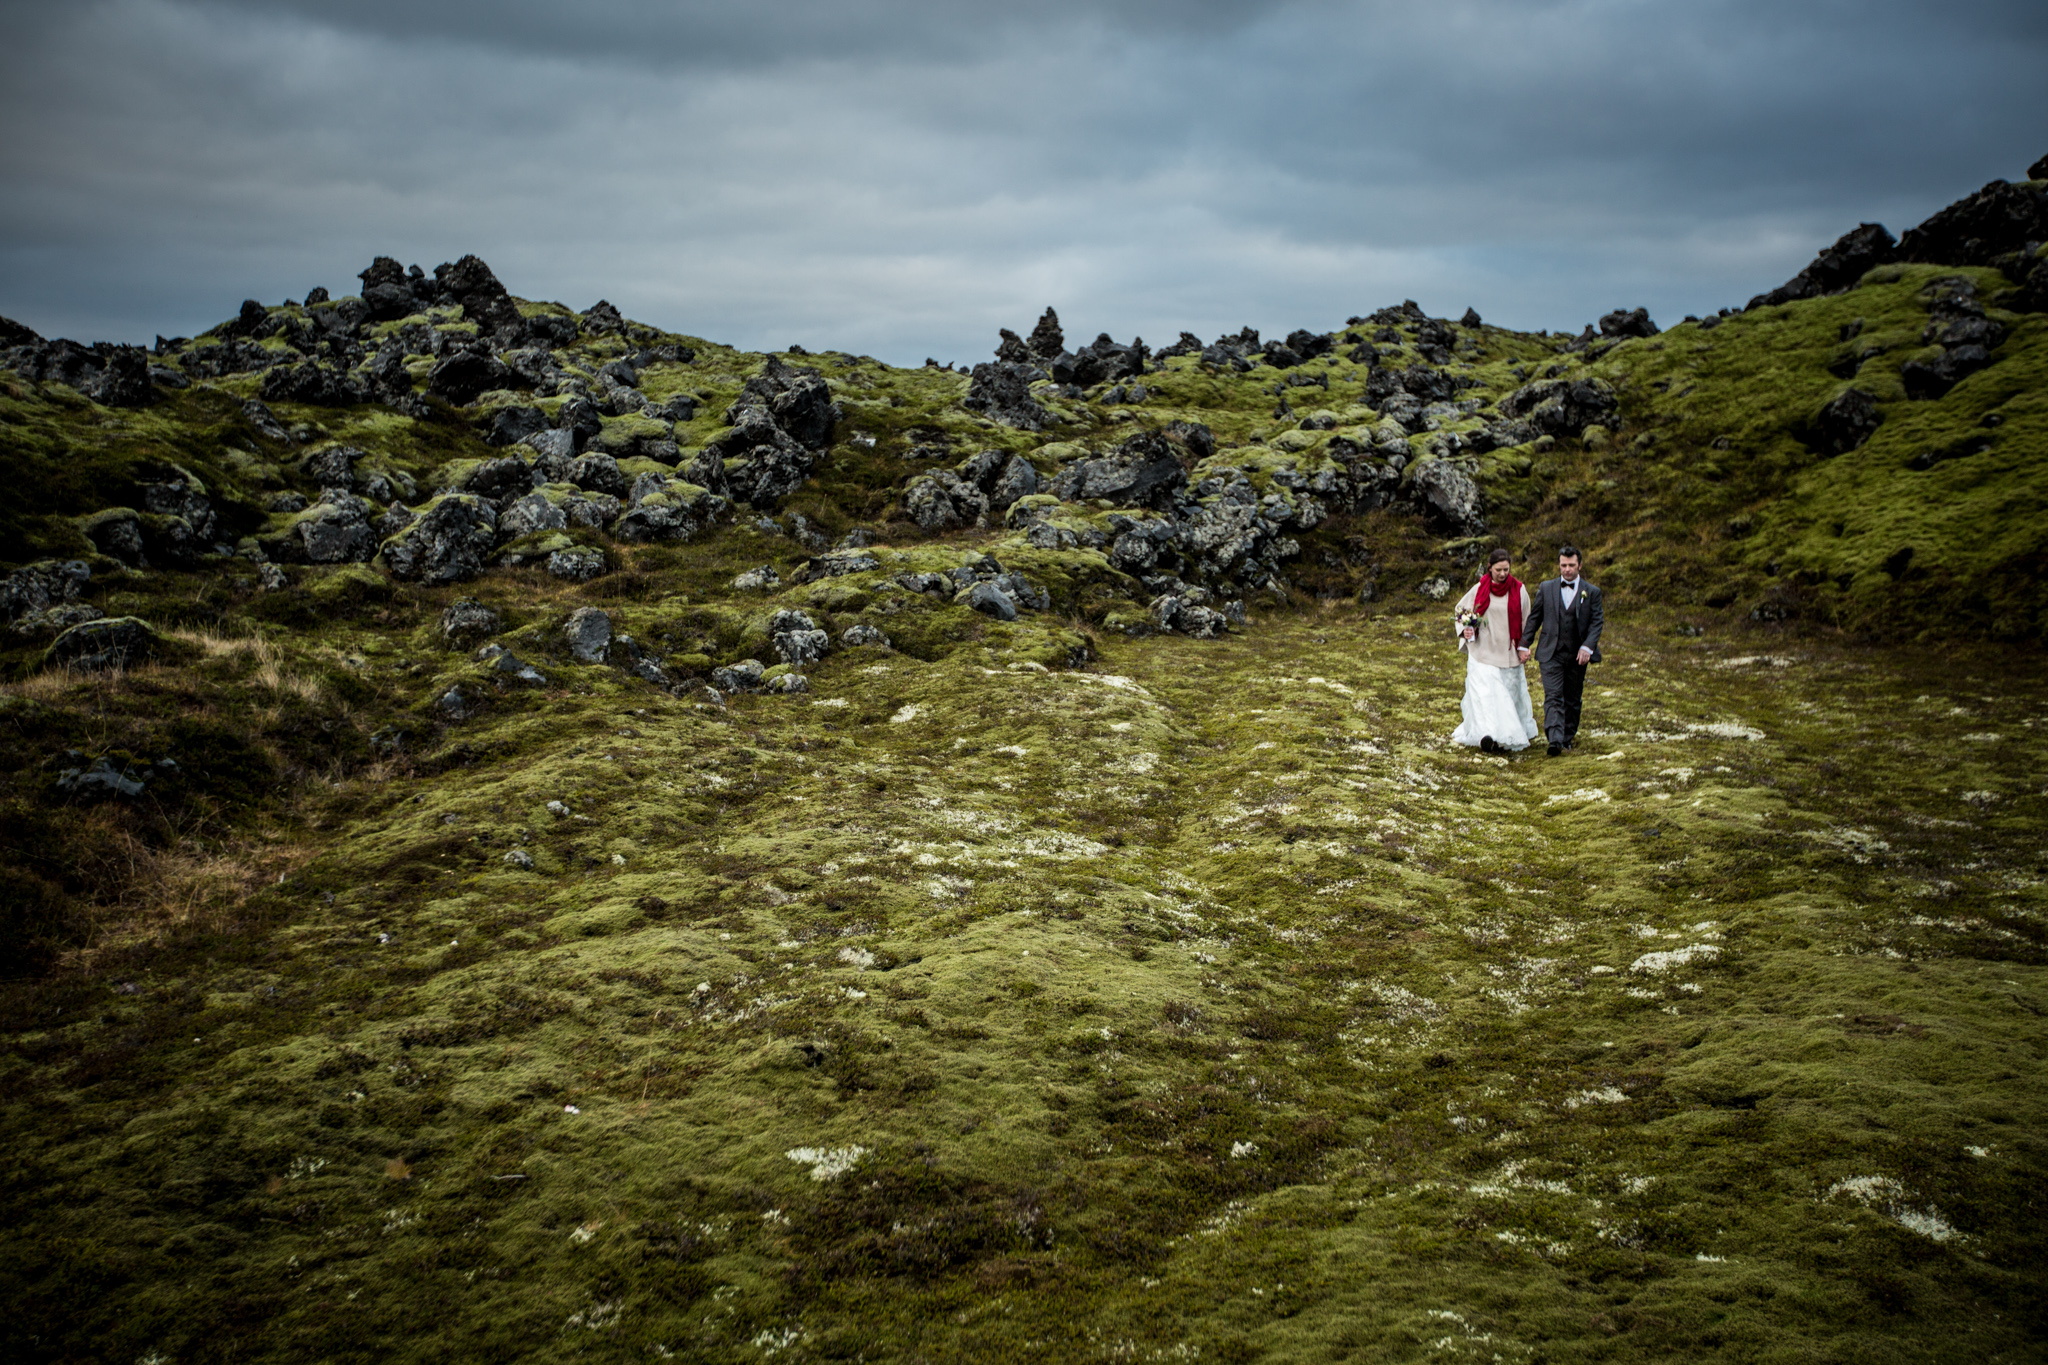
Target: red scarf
[1512,589]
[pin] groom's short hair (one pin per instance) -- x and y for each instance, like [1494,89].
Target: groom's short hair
[1569,552]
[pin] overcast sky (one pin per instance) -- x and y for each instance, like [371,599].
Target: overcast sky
[903,177]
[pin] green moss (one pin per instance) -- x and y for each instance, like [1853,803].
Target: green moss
[1147,972]
[1131,1009]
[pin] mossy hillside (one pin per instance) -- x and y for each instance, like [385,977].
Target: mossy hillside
[931,806]
[1204,1000]
[1715,431]
[1713,494]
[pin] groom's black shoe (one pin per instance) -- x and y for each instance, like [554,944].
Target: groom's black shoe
[1487,745]
[1556,748]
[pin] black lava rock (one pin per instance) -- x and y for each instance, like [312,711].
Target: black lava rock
[313,383]
[1999,219]
[602,319]
[1628,322]
[1838,268]
[1845,422]
[461,377]
[1145,471]
[1002,390]
[1561,407]
[446,544]
[484,300]
[1046,340]
[109,643]
[510,426]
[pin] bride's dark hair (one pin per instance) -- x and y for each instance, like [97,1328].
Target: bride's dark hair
[1497,557]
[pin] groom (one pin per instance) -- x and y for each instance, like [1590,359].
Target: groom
[1566,610]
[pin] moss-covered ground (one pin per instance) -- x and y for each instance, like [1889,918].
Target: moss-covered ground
[1204,1003]
[1051,989]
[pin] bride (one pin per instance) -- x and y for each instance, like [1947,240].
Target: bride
[1490,616]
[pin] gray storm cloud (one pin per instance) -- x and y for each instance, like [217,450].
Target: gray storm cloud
[904,178]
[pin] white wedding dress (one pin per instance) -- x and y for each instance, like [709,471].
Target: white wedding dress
[1496,703]
[1496,687]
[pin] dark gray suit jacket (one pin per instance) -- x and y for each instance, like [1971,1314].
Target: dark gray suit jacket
[1566,632]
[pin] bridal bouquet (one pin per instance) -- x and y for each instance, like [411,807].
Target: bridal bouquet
[1468,620]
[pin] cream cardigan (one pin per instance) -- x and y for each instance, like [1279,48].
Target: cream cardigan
[1494,646]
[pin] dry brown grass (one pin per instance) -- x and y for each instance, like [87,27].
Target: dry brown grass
[272,673]
[152,892]
[51,684]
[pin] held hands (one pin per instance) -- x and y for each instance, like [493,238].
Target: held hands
[1524,654]
[1585,654]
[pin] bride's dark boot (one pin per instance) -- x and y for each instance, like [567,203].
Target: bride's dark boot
[1488,745]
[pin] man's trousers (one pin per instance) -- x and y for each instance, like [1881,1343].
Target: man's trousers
[1564,685]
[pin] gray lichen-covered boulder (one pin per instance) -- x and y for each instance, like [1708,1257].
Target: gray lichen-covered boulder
[337,529]
[1144,471]
[783,417]
[450,541]
[796,638]
[533,512]
[1189,614]
[332,466]
[744,676]
[1233,533]
[177,523]
[124,382]
[667,509]
[863,634]
[106,776]
[265,421]
[1979,228]
[108,643]
[1563,407]
[597,473]
[760,463]
[1447,495]
[1001,478]
[577,564]
[943,501]
[553,448]
[989,600]
[589,634]
[1012,591]
[509,670]
[1139,541]
[116,532]
[1956,322]
[974,493]
[508,476]
[1001,390]
[42,585]
[837,563]
[467,619]
[514,425]
[794,397]
[1101,361]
